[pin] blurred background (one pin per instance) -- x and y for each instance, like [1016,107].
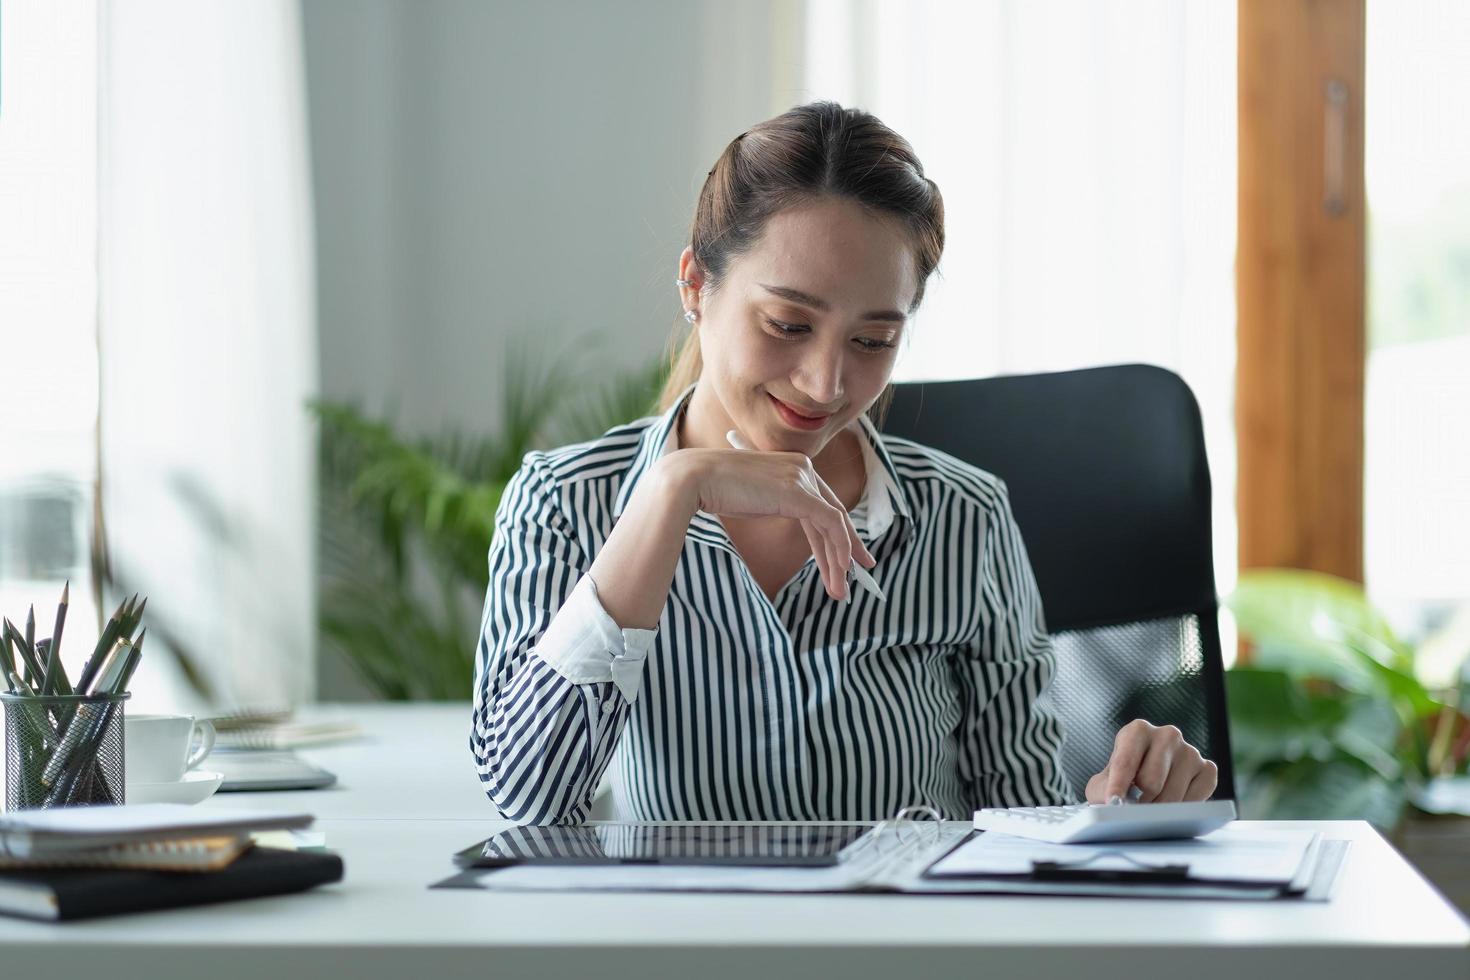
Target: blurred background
[287,287]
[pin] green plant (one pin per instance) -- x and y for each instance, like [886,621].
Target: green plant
[1328,720]
[406,523]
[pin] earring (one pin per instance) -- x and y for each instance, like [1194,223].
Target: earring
[691,315]
[683,282]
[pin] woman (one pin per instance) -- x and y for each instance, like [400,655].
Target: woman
[664,598]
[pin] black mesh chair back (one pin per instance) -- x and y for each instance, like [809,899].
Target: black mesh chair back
[1108,481]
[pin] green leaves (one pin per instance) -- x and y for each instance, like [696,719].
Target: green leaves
[1328,719]
[406,523]
[1316,625]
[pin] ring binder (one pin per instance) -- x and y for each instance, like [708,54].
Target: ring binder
[900,824]
[901,820]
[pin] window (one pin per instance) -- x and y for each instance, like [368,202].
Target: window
[1087,157]
[48,375]
[1417,407]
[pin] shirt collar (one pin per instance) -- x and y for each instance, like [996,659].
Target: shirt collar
[882,499]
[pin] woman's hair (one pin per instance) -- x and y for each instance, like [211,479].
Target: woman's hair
[811,151]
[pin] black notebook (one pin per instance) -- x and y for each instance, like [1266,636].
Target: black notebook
[84,893]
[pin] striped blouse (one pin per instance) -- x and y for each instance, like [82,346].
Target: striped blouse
[740,707]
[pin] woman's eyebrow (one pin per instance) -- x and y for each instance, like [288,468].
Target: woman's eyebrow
[807,299]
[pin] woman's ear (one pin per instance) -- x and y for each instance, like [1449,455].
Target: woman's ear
[690,274]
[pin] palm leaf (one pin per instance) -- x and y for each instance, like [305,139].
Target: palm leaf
[406,524]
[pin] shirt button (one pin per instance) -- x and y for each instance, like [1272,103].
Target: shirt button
[608,706]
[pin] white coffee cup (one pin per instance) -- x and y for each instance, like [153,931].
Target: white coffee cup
[160,748]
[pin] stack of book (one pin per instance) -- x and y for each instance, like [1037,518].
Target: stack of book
[80,862]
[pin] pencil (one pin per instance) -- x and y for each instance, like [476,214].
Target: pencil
[33,666]
[7,652]
[26,654]
[43,656]
[105,643]
[54,659]
[132,665]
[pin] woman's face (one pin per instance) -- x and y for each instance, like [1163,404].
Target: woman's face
[801,336]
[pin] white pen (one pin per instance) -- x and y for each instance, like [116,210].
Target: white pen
[735,439]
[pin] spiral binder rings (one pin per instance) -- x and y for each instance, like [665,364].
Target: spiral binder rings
[917,852]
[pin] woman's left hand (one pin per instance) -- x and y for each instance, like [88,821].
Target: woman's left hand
[1156,759]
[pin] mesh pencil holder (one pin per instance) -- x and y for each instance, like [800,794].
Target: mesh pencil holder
[63,750]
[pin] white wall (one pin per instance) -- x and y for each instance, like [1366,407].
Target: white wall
[492,170]
[495,171]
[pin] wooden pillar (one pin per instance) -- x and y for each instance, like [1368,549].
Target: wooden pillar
[1300,285]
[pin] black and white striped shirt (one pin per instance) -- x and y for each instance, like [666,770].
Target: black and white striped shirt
[744,708]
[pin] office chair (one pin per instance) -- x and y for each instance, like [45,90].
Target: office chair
[1108,481]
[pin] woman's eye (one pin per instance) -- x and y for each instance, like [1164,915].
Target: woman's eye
[787,329]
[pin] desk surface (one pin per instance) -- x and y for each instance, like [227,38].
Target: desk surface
[407,799]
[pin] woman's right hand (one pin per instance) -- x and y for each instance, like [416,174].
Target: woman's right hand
[750,483]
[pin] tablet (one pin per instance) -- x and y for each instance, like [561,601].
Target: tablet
[762,844]
[252,770]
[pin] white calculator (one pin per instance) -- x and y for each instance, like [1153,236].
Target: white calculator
[1086,823]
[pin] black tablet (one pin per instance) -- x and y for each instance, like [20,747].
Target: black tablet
[762,844]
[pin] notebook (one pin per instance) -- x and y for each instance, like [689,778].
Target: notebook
[27,832]
[195,854]
[78,893]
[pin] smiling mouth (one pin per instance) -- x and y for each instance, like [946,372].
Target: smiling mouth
[796,418]
[806,415]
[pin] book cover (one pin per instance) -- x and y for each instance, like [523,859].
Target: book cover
[61,895]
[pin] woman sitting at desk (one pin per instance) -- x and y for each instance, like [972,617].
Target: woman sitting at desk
[662,598]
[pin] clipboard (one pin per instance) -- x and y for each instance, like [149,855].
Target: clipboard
[897,857]
[1229,863]
[1080,870]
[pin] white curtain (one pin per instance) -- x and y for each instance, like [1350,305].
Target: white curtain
[1086,152]
[207,341]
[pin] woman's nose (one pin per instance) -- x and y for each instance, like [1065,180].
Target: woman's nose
[819,377]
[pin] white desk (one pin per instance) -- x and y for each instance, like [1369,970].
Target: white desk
[408,798]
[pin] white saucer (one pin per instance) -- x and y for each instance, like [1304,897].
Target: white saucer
[197,786]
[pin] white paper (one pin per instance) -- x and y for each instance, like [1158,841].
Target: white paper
[1227,854]
[138,817]
[24,831]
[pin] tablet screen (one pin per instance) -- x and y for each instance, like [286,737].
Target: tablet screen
[768,844]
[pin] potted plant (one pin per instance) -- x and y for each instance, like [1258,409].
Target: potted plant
[1333,717]
[406,523]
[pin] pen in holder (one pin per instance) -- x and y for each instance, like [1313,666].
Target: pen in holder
[64,750]
[64,742]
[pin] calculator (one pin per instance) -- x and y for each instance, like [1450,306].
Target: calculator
[1087,823]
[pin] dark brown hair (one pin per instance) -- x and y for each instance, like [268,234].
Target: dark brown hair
[811,151]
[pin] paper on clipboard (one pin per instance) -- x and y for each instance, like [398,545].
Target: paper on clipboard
[897,863]
[1230,854]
